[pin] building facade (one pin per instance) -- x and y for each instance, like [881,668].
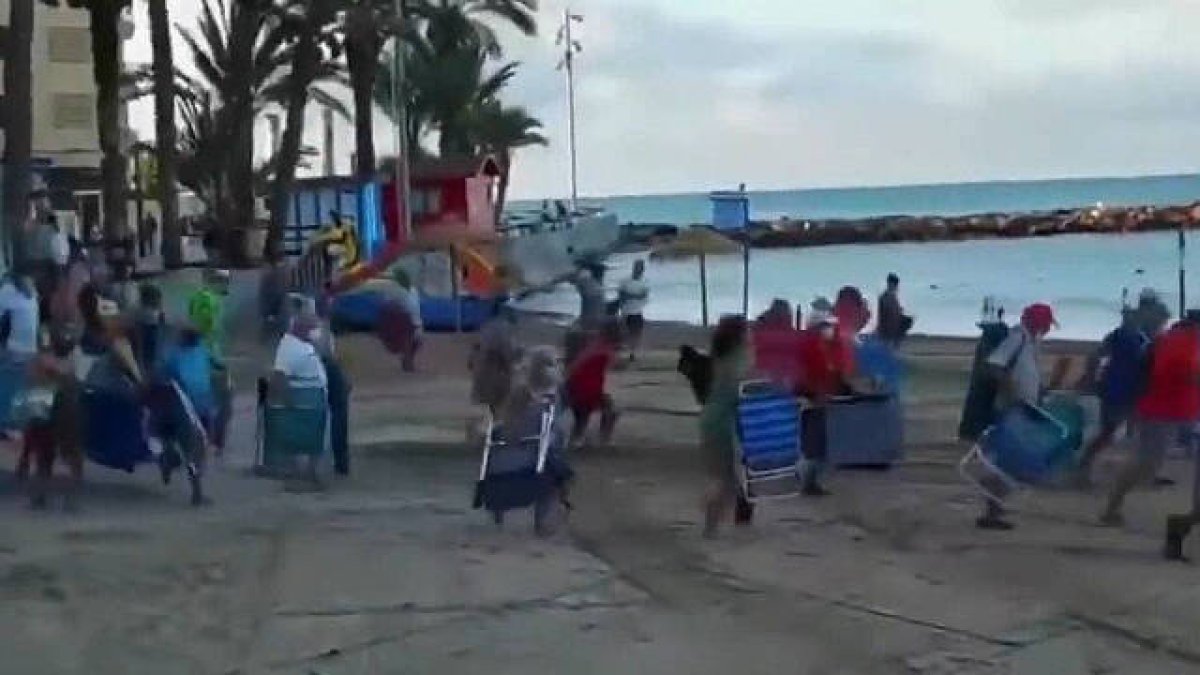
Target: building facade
[64,92]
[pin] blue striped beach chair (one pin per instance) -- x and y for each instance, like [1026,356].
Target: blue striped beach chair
[1025,446]
[768,442]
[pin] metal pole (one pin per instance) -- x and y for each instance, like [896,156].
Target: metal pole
[1182,271]
[703,290]
[746,278]
[400,114]
[569,64]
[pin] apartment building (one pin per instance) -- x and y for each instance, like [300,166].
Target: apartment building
[64,93]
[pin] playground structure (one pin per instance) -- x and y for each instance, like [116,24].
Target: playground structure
[357,227]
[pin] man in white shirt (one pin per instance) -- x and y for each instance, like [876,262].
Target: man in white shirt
[296,357]
[633,296]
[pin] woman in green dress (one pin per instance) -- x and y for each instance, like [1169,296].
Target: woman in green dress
[730,364]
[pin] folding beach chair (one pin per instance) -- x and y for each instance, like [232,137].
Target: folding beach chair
[514,472]
[768,442]
[1024,447]
[291,423]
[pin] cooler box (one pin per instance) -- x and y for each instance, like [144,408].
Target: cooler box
[864,430]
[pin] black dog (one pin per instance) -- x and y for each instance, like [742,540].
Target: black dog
[696,366]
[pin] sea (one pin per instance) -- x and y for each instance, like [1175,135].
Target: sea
[943,284]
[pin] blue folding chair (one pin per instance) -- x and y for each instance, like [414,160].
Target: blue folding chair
[768,442]
[1025,446]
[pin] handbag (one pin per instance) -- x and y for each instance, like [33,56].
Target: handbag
[32,405]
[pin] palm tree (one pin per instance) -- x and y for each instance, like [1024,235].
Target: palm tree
[447,79]
[18,144]
[237,54]
[367,26]
[520,14]
[310,26]
[500,131]
[105,23]
[164,132]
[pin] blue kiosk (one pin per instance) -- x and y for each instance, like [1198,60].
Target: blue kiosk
[731,213]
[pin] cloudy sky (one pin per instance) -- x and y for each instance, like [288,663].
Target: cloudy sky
[688,95]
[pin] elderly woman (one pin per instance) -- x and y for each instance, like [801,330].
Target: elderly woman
[494,360]
[537,380]
[300,372]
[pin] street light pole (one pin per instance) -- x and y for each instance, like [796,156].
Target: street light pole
[571,47]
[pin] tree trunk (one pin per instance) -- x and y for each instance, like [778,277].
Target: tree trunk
[239,213]
[304,70]
[106,67]
[502,186]
[363,46]
[164,133]
[18,126]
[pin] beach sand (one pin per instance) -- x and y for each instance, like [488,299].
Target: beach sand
[390,571]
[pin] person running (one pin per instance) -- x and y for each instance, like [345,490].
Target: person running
[188,364]
[730,363]
[51,432]
[206,312]
[400,327]
[587,385]
[1121,360]
[1169,406]
[1016,366]
[633,297]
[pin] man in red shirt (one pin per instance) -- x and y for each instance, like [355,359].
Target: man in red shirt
[586,384]
[776,345]
[1169,405]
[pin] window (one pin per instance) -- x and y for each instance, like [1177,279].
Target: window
[72,111]
[69,45]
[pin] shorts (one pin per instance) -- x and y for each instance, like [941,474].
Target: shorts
[635,324]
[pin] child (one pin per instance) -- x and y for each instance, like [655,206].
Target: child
[586,384]
[189,365]
[51,418]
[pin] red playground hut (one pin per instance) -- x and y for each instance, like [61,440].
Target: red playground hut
[451,200]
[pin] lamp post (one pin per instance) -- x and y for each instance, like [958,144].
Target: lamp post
[571,47]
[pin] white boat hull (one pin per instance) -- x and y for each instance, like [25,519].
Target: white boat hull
[543,254]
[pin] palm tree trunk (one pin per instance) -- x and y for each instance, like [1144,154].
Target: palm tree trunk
[363,46]
[502,187]
[106,68]
[238,215]
[18,125]
[164,132]
[304,70]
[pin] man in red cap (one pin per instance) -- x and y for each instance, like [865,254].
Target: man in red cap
[1016,363]
[1169,405]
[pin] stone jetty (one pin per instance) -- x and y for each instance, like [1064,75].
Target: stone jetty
[794,233]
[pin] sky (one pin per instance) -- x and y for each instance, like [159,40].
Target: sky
[695,95]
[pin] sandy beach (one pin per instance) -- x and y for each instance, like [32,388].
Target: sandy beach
[390,571]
